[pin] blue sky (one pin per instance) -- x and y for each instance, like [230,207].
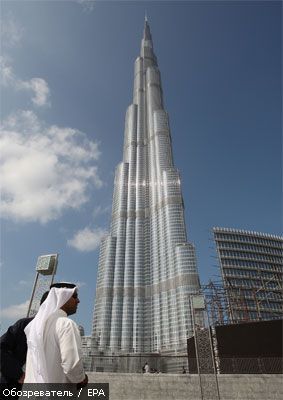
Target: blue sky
[66,81]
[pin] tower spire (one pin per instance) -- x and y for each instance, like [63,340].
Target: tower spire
[145,16]
[146,31]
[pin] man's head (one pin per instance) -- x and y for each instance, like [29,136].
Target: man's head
[70,307]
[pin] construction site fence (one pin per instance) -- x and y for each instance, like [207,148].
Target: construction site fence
[235,365]
[251,366]
[132,363]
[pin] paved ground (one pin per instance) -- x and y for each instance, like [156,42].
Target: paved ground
[186,387]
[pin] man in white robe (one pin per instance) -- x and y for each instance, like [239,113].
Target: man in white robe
[54,344]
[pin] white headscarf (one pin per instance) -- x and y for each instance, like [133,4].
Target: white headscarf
[56,298]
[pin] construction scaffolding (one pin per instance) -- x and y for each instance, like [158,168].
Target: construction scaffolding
[217,303]
[206,367]
[232,304]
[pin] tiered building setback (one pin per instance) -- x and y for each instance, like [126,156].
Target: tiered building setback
[147,268]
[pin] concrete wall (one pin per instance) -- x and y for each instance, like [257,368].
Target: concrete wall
[186,387]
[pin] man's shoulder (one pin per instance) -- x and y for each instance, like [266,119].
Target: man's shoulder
[65,322]
[15,331]
[21,323]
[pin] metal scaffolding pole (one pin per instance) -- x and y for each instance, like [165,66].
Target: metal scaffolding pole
[208,381]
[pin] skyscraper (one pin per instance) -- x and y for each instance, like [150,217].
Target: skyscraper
[147,268]
[251,269]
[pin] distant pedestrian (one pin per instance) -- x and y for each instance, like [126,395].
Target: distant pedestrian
[184,370]
[145,368]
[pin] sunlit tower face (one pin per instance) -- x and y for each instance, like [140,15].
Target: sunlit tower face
[147,268]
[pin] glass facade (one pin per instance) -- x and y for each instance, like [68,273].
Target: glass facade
[251,268]
[147,268]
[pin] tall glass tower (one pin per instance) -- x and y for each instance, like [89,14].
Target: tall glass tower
[147,268]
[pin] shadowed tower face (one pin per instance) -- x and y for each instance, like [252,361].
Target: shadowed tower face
[147,269]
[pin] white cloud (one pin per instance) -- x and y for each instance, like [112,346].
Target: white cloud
[11,31]
[88,5]
[100,210]
[87,239]
[25,283]
[40,88]
[15,311]
[80,284]
[44,169]
[7,74]
[37,86]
